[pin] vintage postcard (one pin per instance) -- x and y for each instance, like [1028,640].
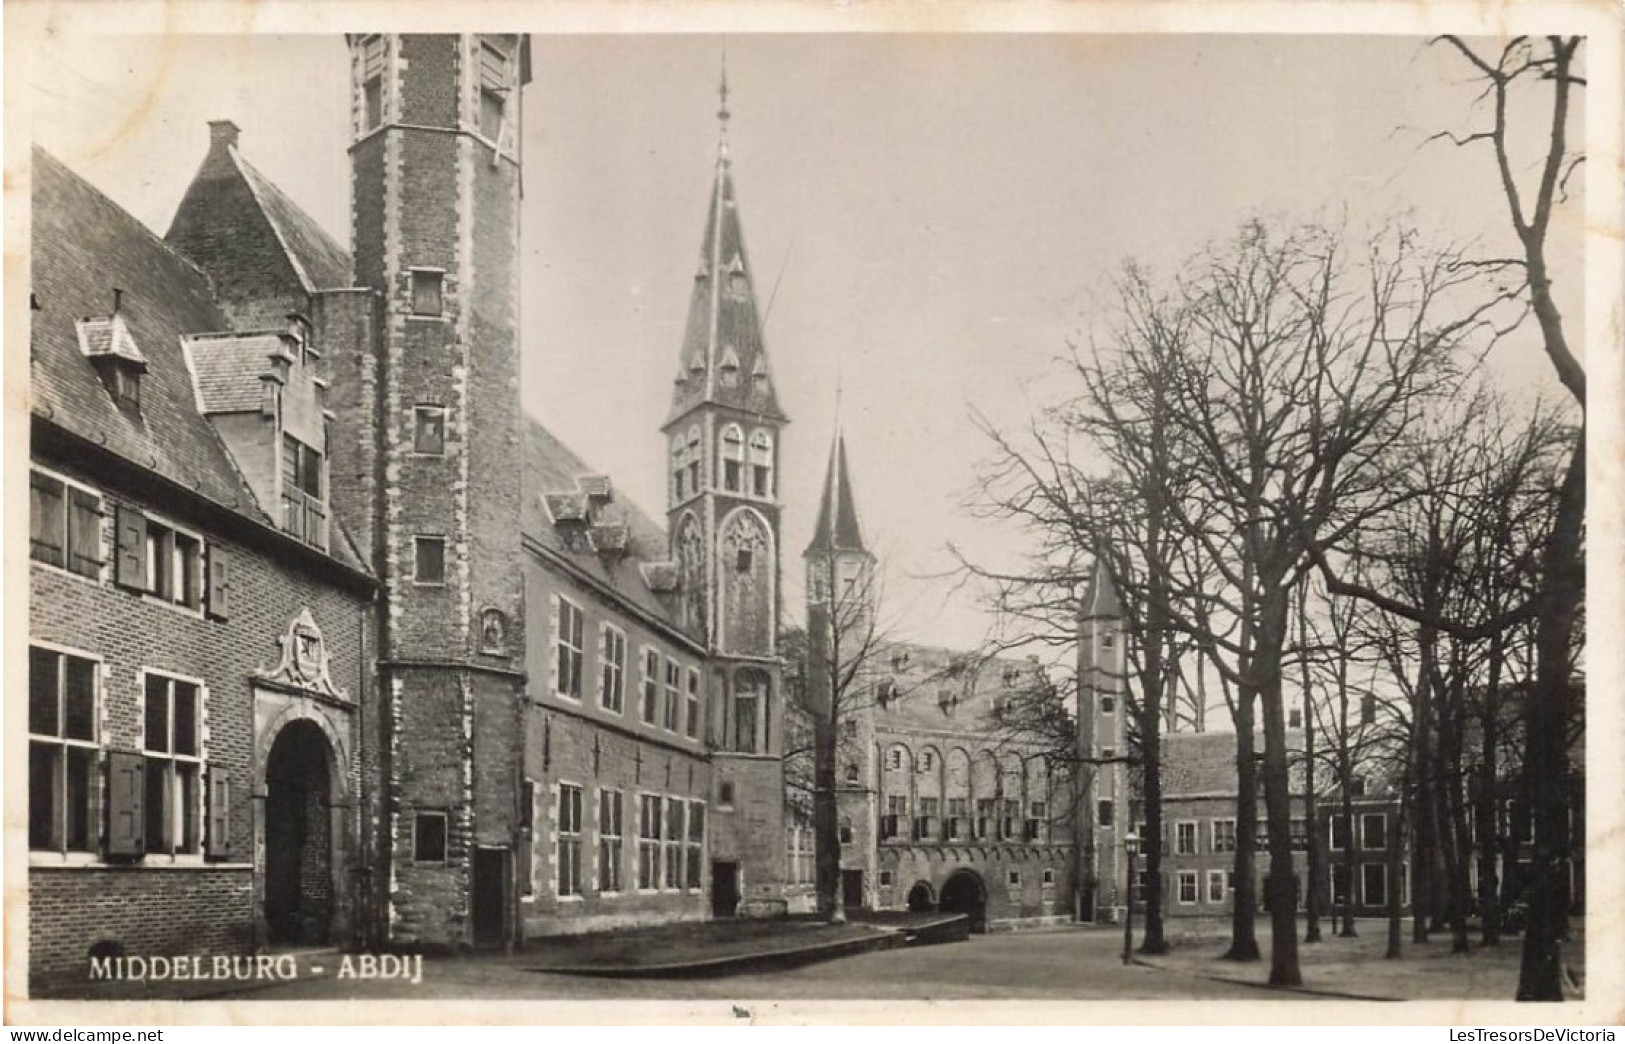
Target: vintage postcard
[792,513]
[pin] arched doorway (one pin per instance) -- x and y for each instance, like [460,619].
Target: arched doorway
[965,893]
[299,837]
[920,899]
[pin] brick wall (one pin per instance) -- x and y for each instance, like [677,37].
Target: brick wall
[1008,904]
[147,912]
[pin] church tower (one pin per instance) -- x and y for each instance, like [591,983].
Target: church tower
[1104,793]
[430,401]
[723,519]
[841,607]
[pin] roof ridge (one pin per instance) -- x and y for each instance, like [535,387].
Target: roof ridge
[40,150]
[255,180]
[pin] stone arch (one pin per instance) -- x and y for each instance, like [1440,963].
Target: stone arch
[747,557]
[965,892]
[922,897]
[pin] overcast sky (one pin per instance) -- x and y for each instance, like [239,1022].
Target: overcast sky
[945,211]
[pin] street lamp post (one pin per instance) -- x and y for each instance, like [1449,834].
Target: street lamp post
[1131,848]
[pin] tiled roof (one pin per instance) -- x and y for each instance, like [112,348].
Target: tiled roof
[84,245]
[553,470]
[925,678]
[723,359]
[837,527]
[1205,762]
[226,370]
[321,263]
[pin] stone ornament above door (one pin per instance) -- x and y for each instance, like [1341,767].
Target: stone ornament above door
[304,659]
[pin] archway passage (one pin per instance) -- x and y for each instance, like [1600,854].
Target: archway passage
[965,893]
[920,899]
[298,837]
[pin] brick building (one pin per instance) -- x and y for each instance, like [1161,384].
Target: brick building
[945,799]
[302,632]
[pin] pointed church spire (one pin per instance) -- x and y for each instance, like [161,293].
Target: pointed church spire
[723,359]
[837,528]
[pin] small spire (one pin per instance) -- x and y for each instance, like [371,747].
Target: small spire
[723,115]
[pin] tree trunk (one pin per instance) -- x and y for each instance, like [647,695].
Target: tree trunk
[1284,968]
[1545,761]
[822,654]
[1151,741]
[1395,874]
[1316,858]
[1489,901]
[1244,901]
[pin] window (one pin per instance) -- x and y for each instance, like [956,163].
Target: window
[651,686]
[1373,831]
[927,761]
[725,793]
[1368,709]
[494,86]
[1294,718]
[674,693]
[568,641]
[609,840]
[1108,753]
[429,430]
[1215,886]
[1048,879]
[649,842]
[1300,835]
[1037,821]
[172,744]
[896,813]
[428,292]
[761,464]
[894,758]
[743,560]
[675,832]
[65,525]
[1340,885]
[1184,838]
[429,837]
[885,878]
[850,727]
[1007,823]
[695,852]
[844,832]
[984,818]
[1108,705]
[925,824]
[1187,887]
[1108,640]
[1012,878]
[372,83]
[958,814]
[1224,835]
[429,560]
[1357,786]
[745,721]
[693,724]
[1374,885]
[679,465]
[63,771]
[693,457]
[852,775]
[733,452]
[612,670]
[173,559]
[1339,835]
[569,851]
[303,512]
[1103,812]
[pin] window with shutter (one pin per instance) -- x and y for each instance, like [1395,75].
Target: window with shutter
[126,815]
[174,764]
[219,583]
[219,834]
[130,565]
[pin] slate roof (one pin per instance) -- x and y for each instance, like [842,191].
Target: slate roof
[321,263]
[226,370]
[552,468]
[83,246]
[837,527]
[1205,762]
[724,331]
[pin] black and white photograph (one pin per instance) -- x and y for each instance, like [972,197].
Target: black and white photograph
[720,518]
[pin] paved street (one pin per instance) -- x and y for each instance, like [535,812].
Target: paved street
[1051,965]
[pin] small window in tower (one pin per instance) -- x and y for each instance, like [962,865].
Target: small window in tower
[1108,640]
[429,430]
[429,837]
[1108,704]
[761,464]
[430,560]
[427,292]
[372,82]
[494,87]
[733,453]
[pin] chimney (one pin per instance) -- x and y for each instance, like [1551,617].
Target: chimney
[222,134]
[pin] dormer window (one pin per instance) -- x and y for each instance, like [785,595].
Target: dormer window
[729,368]
[107,343]
[495,85]
[761,464]
[304,513]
